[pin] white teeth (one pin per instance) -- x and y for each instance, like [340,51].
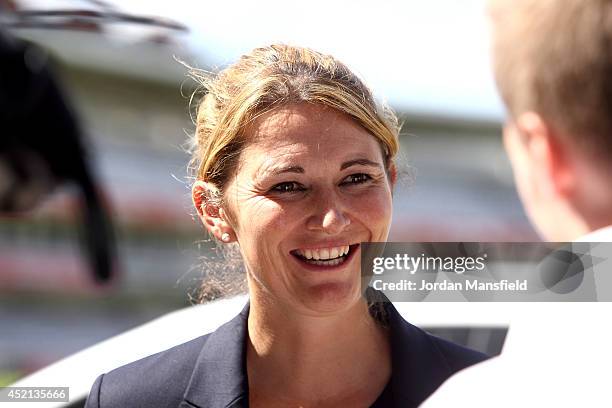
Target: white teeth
[332,262]
[324,253]
[333,253]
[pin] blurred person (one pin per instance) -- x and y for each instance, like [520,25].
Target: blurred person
[42,147]
[553,65]
[295,164]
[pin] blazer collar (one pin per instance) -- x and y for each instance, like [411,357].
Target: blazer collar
[219,379]
[418,366]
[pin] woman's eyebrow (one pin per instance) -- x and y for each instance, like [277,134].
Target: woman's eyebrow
[300,170]
[359,162]
[285,169]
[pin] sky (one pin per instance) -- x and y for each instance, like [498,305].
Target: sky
[427,56]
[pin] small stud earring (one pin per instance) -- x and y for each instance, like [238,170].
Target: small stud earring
[225,237]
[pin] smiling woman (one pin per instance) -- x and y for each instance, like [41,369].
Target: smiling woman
[295,165]
[316,183]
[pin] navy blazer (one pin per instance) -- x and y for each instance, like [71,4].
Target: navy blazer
[210,371]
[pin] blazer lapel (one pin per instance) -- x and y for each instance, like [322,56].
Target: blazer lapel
[219,378]
[418,365]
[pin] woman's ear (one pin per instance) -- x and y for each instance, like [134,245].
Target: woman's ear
[207,201]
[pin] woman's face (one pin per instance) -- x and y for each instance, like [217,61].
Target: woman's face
[310,186]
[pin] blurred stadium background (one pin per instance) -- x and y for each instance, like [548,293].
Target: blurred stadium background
[118,68]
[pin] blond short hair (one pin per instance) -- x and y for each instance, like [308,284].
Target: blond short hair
[268,78]
[554,57]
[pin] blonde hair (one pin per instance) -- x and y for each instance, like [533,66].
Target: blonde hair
[554,57]
[268,78]
[261,81]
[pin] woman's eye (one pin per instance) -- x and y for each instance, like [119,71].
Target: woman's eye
[357,179]
[287,187]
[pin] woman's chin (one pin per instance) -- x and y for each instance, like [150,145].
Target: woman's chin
[329,298]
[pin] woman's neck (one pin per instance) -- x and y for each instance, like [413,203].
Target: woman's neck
[310,359]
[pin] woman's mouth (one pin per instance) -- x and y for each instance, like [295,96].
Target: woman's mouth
[325,257]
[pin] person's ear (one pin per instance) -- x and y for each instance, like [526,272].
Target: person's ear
[547,154]
[207,201]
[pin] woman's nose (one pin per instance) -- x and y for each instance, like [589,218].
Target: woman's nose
[330,218]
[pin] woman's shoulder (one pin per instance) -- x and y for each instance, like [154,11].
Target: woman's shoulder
[457,356]
[422,361]
[156,380]
[451,357]
[407,338]
[165,379]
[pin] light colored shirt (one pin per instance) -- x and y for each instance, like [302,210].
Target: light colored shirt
[559,356]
